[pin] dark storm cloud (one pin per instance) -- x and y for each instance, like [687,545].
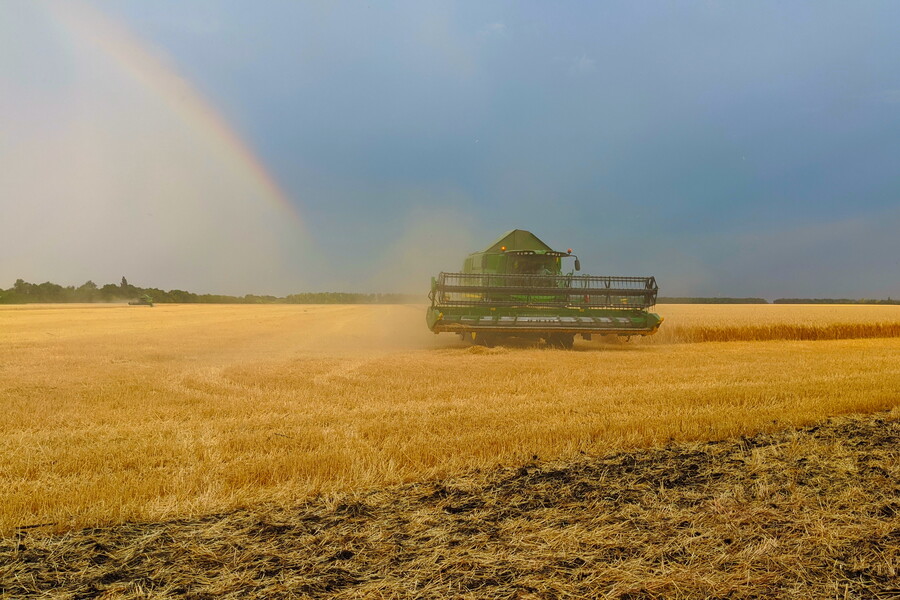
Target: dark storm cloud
[707,143]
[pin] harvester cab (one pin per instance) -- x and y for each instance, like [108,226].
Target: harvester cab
[518,287]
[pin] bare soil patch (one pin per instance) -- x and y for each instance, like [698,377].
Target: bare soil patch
[810,513]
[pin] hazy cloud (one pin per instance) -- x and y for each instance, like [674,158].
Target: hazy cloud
[494,29]
[847,258]
[888,96]
[582,65]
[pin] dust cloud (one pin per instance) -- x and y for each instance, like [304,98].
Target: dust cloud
[433,240]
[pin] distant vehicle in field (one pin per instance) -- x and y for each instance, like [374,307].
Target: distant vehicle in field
[516,288]
[144,300]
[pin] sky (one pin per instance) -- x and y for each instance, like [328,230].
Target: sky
[727,148]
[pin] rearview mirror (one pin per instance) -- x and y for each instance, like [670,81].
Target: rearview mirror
[577,265]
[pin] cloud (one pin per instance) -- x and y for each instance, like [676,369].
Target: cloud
[582,65]
[849,258]
[494,30]
[432,239]
[887,96]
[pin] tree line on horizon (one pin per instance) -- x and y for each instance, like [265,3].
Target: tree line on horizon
[23,292]
[693,300]
[889,300]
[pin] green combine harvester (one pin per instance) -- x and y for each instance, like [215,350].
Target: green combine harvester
[516,288]
[144,300]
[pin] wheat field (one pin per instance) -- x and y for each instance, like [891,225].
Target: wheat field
[113,413]
[765,322]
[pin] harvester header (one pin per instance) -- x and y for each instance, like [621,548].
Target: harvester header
[517,287]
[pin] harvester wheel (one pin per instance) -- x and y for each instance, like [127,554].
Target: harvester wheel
[484,339]
[565,341]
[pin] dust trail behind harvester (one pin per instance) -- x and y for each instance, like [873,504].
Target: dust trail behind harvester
[432,240]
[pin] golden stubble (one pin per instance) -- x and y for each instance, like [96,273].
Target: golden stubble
[113,413]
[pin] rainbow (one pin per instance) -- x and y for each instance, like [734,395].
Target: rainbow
[87,24]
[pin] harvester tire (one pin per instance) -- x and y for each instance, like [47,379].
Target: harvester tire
[564,341]
[484,339]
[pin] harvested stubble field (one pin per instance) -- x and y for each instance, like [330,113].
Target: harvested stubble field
[115,414]
[800,514]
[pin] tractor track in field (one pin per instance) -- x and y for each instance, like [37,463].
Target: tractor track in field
[811,513]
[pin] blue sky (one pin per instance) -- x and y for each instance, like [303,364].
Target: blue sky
[729,148]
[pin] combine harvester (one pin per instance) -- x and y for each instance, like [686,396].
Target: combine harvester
[516,288]
[144,300]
